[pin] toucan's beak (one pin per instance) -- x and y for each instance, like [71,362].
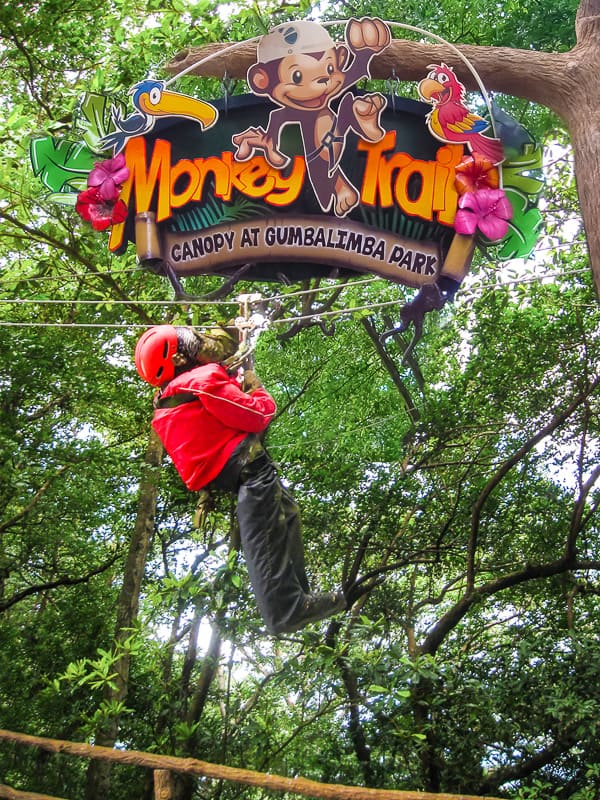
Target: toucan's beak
[179,105]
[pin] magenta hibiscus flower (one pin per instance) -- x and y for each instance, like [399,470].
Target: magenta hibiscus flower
[486,209]
[108,176]
[92,207]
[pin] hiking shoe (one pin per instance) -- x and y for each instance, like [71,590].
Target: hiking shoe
[317,607]
[355,590]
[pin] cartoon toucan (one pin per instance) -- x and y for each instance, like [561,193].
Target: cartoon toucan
[450,120]
[152,100]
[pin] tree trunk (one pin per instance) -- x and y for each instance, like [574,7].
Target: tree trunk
[185,784]
[98,774]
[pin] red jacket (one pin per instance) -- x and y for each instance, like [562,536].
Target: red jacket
[201,436]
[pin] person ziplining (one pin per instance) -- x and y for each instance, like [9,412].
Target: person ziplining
[210,426]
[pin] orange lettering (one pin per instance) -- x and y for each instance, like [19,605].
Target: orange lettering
[143,181]
[421,206]
[182,168]
[254,178]
[436,192]
[374,152]
[420,188]
[221,174]
[287,190]
[445,197]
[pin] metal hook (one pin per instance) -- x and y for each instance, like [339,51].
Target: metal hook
[392,86]
[227,84]
[249,323]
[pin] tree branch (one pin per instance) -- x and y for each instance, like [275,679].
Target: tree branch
[411,408]
[451,618]
[65,581]
[557,420]
[9,523]
[565,739]
[72,252]
[302,390]
[578,514]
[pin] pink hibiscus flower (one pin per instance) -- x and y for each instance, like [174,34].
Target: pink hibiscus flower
[486,209]
[108,176]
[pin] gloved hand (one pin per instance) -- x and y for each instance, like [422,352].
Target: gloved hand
[251,381]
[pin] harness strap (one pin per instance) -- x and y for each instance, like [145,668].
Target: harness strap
[174,400]
[327,143]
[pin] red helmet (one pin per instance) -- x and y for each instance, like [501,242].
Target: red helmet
[153,354]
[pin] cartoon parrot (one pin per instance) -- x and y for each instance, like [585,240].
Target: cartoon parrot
[450,120]
[151,100]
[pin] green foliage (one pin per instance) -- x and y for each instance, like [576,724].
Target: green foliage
[422,469]
[93,118]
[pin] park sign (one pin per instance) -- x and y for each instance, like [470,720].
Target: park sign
[307,176]
[194,206]
[318,179]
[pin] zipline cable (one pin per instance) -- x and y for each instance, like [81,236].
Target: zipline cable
[467,290]
[124,325]
[77,276]
[470,296]
[199,301]
[269,298]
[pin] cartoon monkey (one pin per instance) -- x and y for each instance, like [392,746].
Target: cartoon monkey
[301,69]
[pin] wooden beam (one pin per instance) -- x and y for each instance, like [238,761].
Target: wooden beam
[163,784]
[8,793]
[500,68]
[193,766]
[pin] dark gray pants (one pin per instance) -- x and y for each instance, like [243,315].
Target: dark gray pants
[270,533]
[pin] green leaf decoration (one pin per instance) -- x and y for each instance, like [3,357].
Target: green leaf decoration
[94,118]
[60,164]
[524,172]
[63,198]
[523,182]
[523,228]
[215,212]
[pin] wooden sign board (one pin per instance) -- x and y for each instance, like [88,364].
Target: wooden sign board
[307,176]
[194,206]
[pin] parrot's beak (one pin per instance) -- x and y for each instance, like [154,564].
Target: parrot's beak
[433,91]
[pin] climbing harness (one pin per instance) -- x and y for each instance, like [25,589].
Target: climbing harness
[174,400]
